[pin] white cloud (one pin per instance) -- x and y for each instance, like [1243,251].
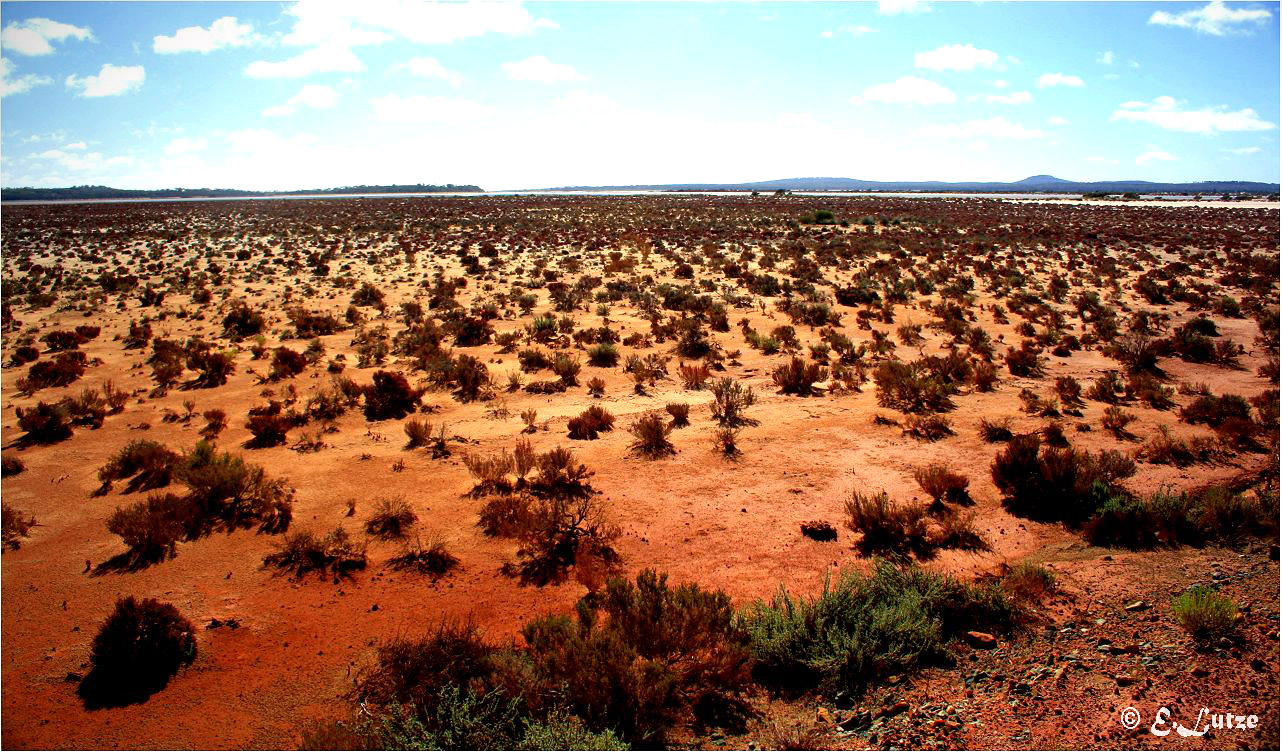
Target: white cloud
[1244,150]
[91,162]
[430,67]
[185,145]
[77,146]
[996,127]
[394,108]
[321,22]
[316,96]
[257,141]
[851,29]
[1102,160]
[1165,112]
[20,84]
[1056,120]
[895,7]
[1015,97]
[1105,57]
[325,59]
[111,81]
[956,57]
[1000,84]
[1215,18]
[908,90]
[331,29]
[1058,79]
[1154,155]
[225,32]
[33,36]
[539,68]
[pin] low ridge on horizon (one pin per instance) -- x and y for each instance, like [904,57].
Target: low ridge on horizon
[1042,183]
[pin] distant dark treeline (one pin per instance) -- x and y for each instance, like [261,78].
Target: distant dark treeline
[83,192]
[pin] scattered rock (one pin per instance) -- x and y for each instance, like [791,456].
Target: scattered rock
[819,530]
[1137,606]
[981,640]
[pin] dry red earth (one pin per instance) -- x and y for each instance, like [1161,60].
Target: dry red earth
[1060,681]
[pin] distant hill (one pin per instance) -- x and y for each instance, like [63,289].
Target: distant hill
[1034,184]
[89,192]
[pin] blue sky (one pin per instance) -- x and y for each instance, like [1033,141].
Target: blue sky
[512,95]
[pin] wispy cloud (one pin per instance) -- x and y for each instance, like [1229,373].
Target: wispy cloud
[1165,113]
[35,36]
[112,80]
[430,67]
[907,90]
[895,7]
[223,33]
[316,96]
[1047,80]
[10,84]
[1015,97]
[539,68]
[996,127]
[1154,155]
[1214,18]
[956,57]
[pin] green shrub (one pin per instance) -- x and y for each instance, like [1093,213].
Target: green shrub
[1205,614]
[941,483]
[1056,484]
[390,396]
[149,463]
[286,363]
[418,431]
[886,527]
[730,400]
[646,656]
[45,423]
[1213,411]
[10,465]
[590,422]
[392,517]
[302,551]
[225,490]
[16,525]
[604,355]
[137,649]
[650,434]
[431,558]
[567,369]
[680,412]
[1029,583]
[910,388]
[566,732]
[62,370]
[798,377]
[1121,521]
[865,628]
[152,528]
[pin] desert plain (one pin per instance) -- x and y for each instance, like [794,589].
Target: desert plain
[1070,407]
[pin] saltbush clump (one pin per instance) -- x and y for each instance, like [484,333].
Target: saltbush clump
[137,649]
